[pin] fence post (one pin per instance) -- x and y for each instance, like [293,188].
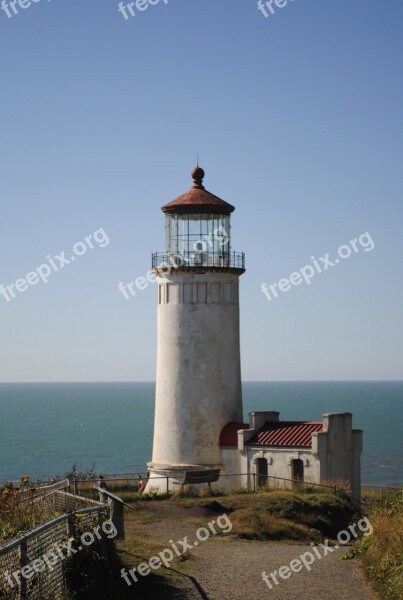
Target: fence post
[70,525]
[117,516]
[334,489]
[23,562]
[254,482]
[75,486]
[167,485]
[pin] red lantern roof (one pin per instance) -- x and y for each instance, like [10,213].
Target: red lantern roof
[198,199]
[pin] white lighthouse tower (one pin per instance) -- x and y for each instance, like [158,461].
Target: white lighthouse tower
[198,387]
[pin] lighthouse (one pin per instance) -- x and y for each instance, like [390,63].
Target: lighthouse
[198,380]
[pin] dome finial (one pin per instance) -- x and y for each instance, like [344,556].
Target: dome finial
[197,176]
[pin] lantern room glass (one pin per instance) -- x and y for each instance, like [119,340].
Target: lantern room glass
[198,234]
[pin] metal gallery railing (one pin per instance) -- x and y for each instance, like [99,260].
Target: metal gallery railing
[218,260]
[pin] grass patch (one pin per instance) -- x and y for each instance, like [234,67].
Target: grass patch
[289,515]
[382,552]
[262,516]
[253,525]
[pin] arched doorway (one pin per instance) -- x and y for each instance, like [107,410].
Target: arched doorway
[297,470]
[261,472]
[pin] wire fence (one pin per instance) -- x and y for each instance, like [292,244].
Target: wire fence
[381,490]
[24,572]
[249,482]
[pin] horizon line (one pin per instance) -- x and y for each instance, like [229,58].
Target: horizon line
[243,381]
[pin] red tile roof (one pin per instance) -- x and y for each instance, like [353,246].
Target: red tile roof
[286,433]
[280,434]
[229,436]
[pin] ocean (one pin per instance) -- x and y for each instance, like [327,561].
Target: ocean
[45,428]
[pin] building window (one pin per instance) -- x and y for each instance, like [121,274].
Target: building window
[297,470]
[261,472]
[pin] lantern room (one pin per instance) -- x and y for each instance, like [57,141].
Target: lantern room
[198,230]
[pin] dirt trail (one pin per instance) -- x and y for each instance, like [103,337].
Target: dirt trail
[227,568]
[231,570]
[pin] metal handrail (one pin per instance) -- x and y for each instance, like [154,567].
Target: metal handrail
[40,528]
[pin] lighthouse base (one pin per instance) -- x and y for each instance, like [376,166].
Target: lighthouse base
[170,478]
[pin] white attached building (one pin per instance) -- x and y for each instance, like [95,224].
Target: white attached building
[326,451]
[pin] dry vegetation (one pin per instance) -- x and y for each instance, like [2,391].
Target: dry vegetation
[382,552]
[18,513]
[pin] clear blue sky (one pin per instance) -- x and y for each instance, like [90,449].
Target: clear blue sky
[298,122]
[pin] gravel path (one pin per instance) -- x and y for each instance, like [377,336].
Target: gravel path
[231,570]
[226,568]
